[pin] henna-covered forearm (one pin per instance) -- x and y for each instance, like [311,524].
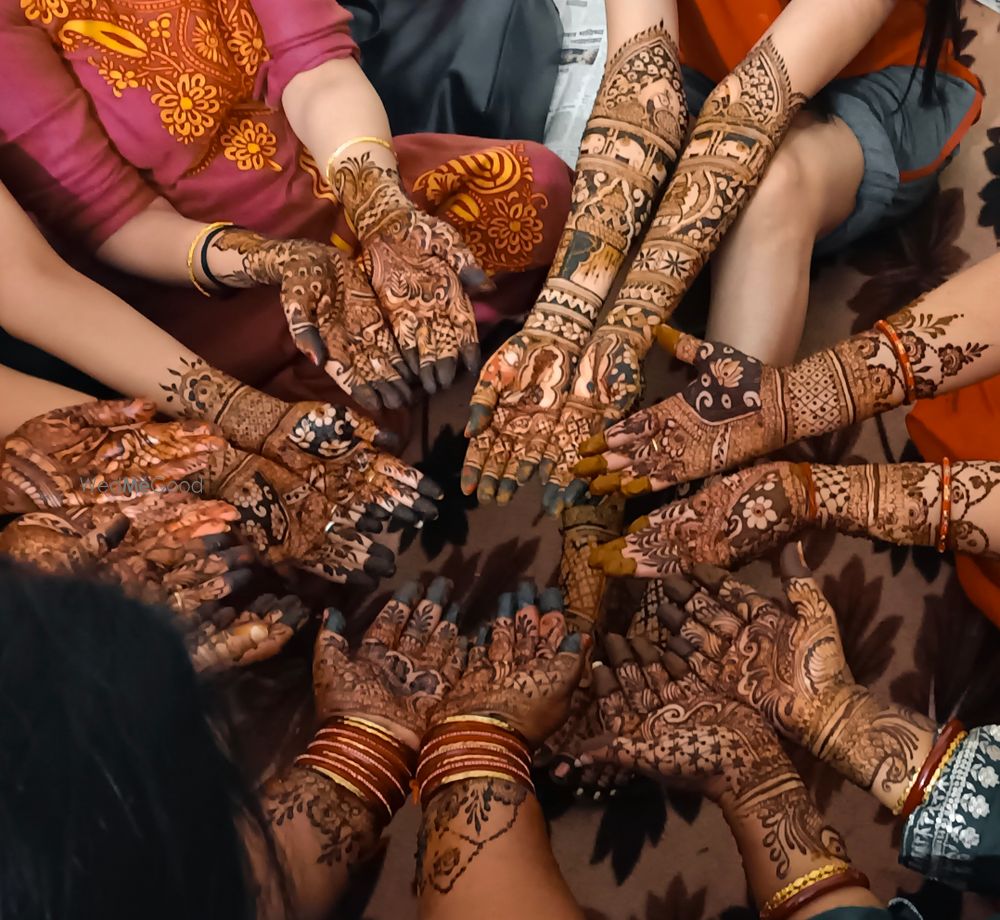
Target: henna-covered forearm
[902,503]
[459,824]
[744,120]
[583,528]
[483,841]
[878,747]
[322,832]
[630,143]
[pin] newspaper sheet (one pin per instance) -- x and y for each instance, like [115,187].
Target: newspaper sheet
[584,51]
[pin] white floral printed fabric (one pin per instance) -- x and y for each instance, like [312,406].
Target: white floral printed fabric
[959,823]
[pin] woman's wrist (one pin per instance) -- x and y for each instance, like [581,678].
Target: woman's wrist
[899,503]
[877,746]
[246,416]
[371,192]
[779,831]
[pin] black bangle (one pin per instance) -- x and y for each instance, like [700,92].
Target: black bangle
[206,270]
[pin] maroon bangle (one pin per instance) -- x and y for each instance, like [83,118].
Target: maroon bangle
[849,878]
[949,733]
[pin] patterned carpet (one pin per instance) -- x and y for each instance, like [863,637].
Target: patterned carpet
[908,630]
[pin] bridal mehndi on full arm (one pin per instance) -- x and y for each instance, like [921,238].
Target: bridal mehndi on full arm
[629,146]
[730,146]
[738,517]
[738,409]
[786,661]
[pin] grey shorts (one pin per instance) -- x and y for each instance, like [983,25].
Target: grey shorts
[905,145]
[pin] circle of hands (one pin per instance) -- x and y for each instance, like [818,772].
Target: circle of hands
[320,486]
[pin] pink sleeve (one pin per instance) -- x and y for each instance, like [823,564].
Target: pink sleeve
[54,155]
[300,35]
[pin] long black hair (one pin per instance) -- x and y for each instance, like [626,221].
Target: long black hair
[117,796]
[943,25]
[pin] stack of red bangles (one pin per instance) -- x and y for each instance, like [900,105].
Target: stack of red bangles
[363,758]
[471,747]
[371,763]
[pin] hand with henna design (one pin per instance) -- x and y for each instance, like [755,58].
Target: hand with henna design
[339,453]
[287,521]
[666,722]
[732,519]
[161,548]
[514,410]
[607,384]
[409,659]
[523,668]
[332,312]
[787,662]
[82,455]
[58,543]
[419,267]
[226,638]
[737,409]
[533,404]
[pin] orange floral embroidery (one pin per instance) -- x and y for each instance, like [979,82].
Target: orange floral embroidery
[246,43]
[250,145]
[515,227]
[207,41]
[44,10]
[489,196]
[188,106]
[117,78]
[198,59]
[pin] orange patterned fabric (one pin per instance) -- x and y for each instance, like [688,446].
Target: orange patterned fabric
[717,34]
[964,425]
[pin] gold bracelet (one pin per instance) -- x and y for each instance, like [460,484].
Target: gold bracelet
[485,720]
[959,739]
[803,881]
[353,142]
[207,229]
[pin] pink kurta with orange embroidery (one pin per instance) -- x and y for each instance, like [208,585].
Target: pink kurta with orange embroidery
[119,101]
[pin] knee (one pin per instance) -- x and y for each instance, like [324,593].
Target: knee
[783,203]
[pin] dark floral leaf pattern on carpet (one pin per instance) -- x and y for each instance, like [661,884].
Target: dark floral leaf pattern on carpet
[989,216]
[868,633]
[964,679]
[636,815]
[907,261]
[676,903]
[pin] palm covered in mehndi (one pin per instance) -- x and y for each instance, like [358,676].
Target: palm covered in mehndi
[533,403]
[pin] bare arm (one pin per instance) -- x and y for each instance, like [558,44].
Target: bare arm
[484,851]
[743,122]
[26,397]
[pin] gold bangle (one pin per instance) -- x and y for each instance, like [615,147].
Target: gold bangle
[334,778]
[373,727]
[485,720]
[803,881]
[353,142]
[944,763]
[192,249]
